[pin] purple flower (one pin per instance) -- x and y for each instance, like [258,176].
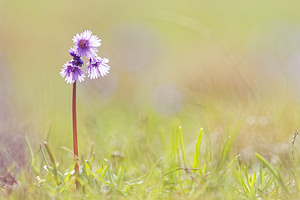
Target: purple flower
[76,59]
[72,72]
[86,44]
[72,53]
[98,67]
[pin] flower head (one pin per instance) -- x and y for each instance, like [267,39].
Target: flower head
[98,67]
[72,73]
[86,44]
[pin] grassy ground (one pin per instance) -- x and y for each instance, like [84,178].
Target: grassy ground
[157,158]
[202,101]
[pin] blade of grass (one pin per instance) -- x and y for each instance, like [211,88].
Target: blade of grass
[109,174]
[296,179]
[173,148]
[92,154]
[196,162]
[253,180]
[182,147]
[32,158]
[239,178]
[261,173]
[224,154]
[222,172]
[52,159]
[46,161]
[275,173]
[120,176]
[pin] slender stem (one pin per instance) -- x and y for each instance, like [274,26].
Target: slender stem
[75,143]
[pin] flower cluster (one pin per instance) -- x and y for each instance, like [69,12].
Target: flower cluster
[86,45]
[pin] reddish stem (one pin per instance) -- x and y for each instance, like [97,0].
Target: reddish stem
[75,143]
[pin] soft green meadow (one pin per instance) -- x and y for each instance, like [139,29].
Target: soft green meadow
[158,158]
[202,100]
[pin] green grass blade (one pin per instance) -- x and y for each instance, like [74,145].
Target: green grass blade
[46,161]
[52,159]
[120,176]
[196,162]
[253,180]
[248,180]
[239,178]
[297,181]
[222,172]
[182,147]
[32,158]
[275,173]
[225,153]
[261,173]
[173,148]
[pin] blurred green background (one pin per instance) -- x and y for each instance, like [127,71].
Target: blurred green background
[231,67]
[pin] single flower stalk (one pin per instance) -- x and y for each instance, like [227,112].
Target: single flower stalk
[86,45]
